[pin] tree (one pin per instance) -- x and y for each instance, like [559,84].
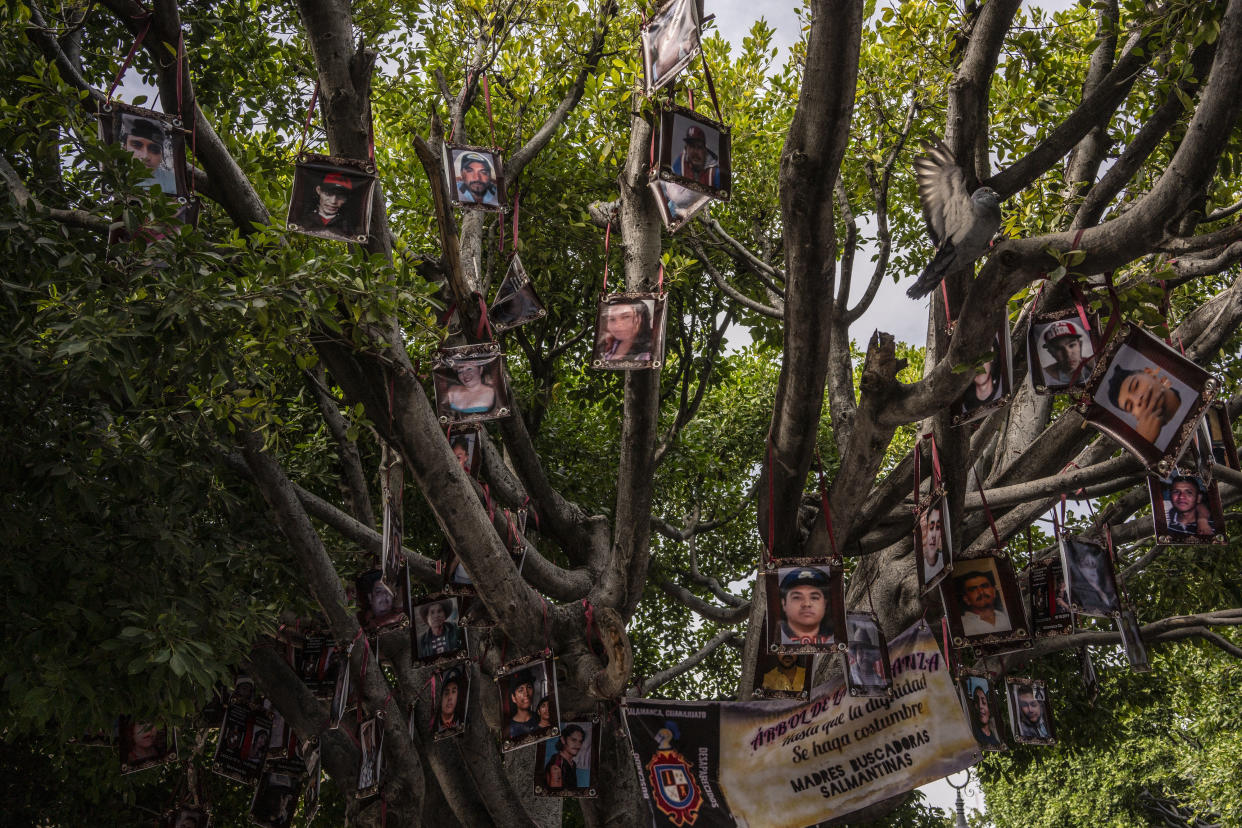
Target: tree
[200,426]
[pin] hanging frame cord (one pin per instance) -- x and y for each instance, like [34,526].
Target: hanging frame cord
[310,113]
[711,86]
[133,50]
[607,244]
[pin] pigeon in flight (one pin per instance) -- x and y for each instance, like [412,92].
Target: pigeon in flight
[961,224]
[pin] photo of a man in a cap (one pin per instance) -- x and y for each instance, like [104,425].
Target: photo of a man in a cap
[804,607]
[329,209]
[696,161]
[1072,356]
[148,142]
[476,181]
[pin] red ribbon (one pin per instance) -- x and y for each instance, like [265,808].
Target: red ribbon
[133,50]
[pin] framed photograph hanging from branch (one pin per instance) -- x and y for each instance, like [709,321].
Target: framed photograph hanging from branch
[332,198]
[1216,436]
[1132,641]
[464,441]
[868,671]
[806,609]
[568,764]
[979,701]
[470,384]
[452,702]
[1090,577]
[629,332]
[992,386]
[1050,604]
[983,601]
[1061,350]
[144,744]
[782,676]
[276,796]
[694,151]
[1148,397]
[677,204]
[529,709]
[933,541]
[437,633]
[475,177]
[383,605]
[154,139]
[670,40]
[516,301]
[1186,509]
[371,767]
[1030,717]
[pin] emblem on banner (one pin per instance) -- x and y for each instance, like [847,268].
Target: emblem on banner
[672,780]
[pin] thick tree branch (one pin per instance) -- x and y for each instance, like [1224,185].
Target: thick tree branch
[647,686]
[721,615]
[346,449]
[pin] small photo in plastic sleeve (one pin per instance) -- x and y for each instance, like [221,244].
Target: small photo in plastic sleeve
[452,702]
[670,41]
[992,385]
[276,797]
[516,301]
[371,768]
[318,663]
[1030,717]
[242,749]
[1089,573]
[981,710]
[677,204]
[629,332]
[1050,604]
[984,602]
[566,765]
[1216,436]
[155,140]
[933,542]
[186,816]
[144,744]
[1147,397]
[391,556]
[783,676]
[382,605]
[529,709]
[437,631]
[806,609]
[281,736]
[464,441]
[1132,641]
[340,695]
[470,384]
[694,152]
[457,580]
[332,197]
[475,177]
[1061,349]
[312,758]
[868,671]
[1186,510]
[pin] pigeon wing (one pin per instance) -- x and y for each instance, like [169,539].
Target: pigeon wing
[942,191]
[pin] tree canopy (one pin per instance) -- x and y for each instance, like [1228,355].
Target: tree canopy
[202,428]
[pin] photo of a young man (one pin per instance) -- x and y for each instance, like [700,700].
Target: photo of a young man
[1062,354]
[475,177]
[566,765]
[1089,572]
[806,613]
[330,200]
[933,544]
[981,601]
[670,40]
[1029,713]
[523,696]
[782,675]
[153,140]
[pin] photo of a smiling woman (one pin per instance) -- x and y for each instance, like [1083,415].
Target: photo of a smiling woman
[469,389]
[629,332]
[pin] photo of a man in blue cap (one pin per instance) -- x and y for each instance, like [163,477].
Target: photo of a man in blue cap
[804,607]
